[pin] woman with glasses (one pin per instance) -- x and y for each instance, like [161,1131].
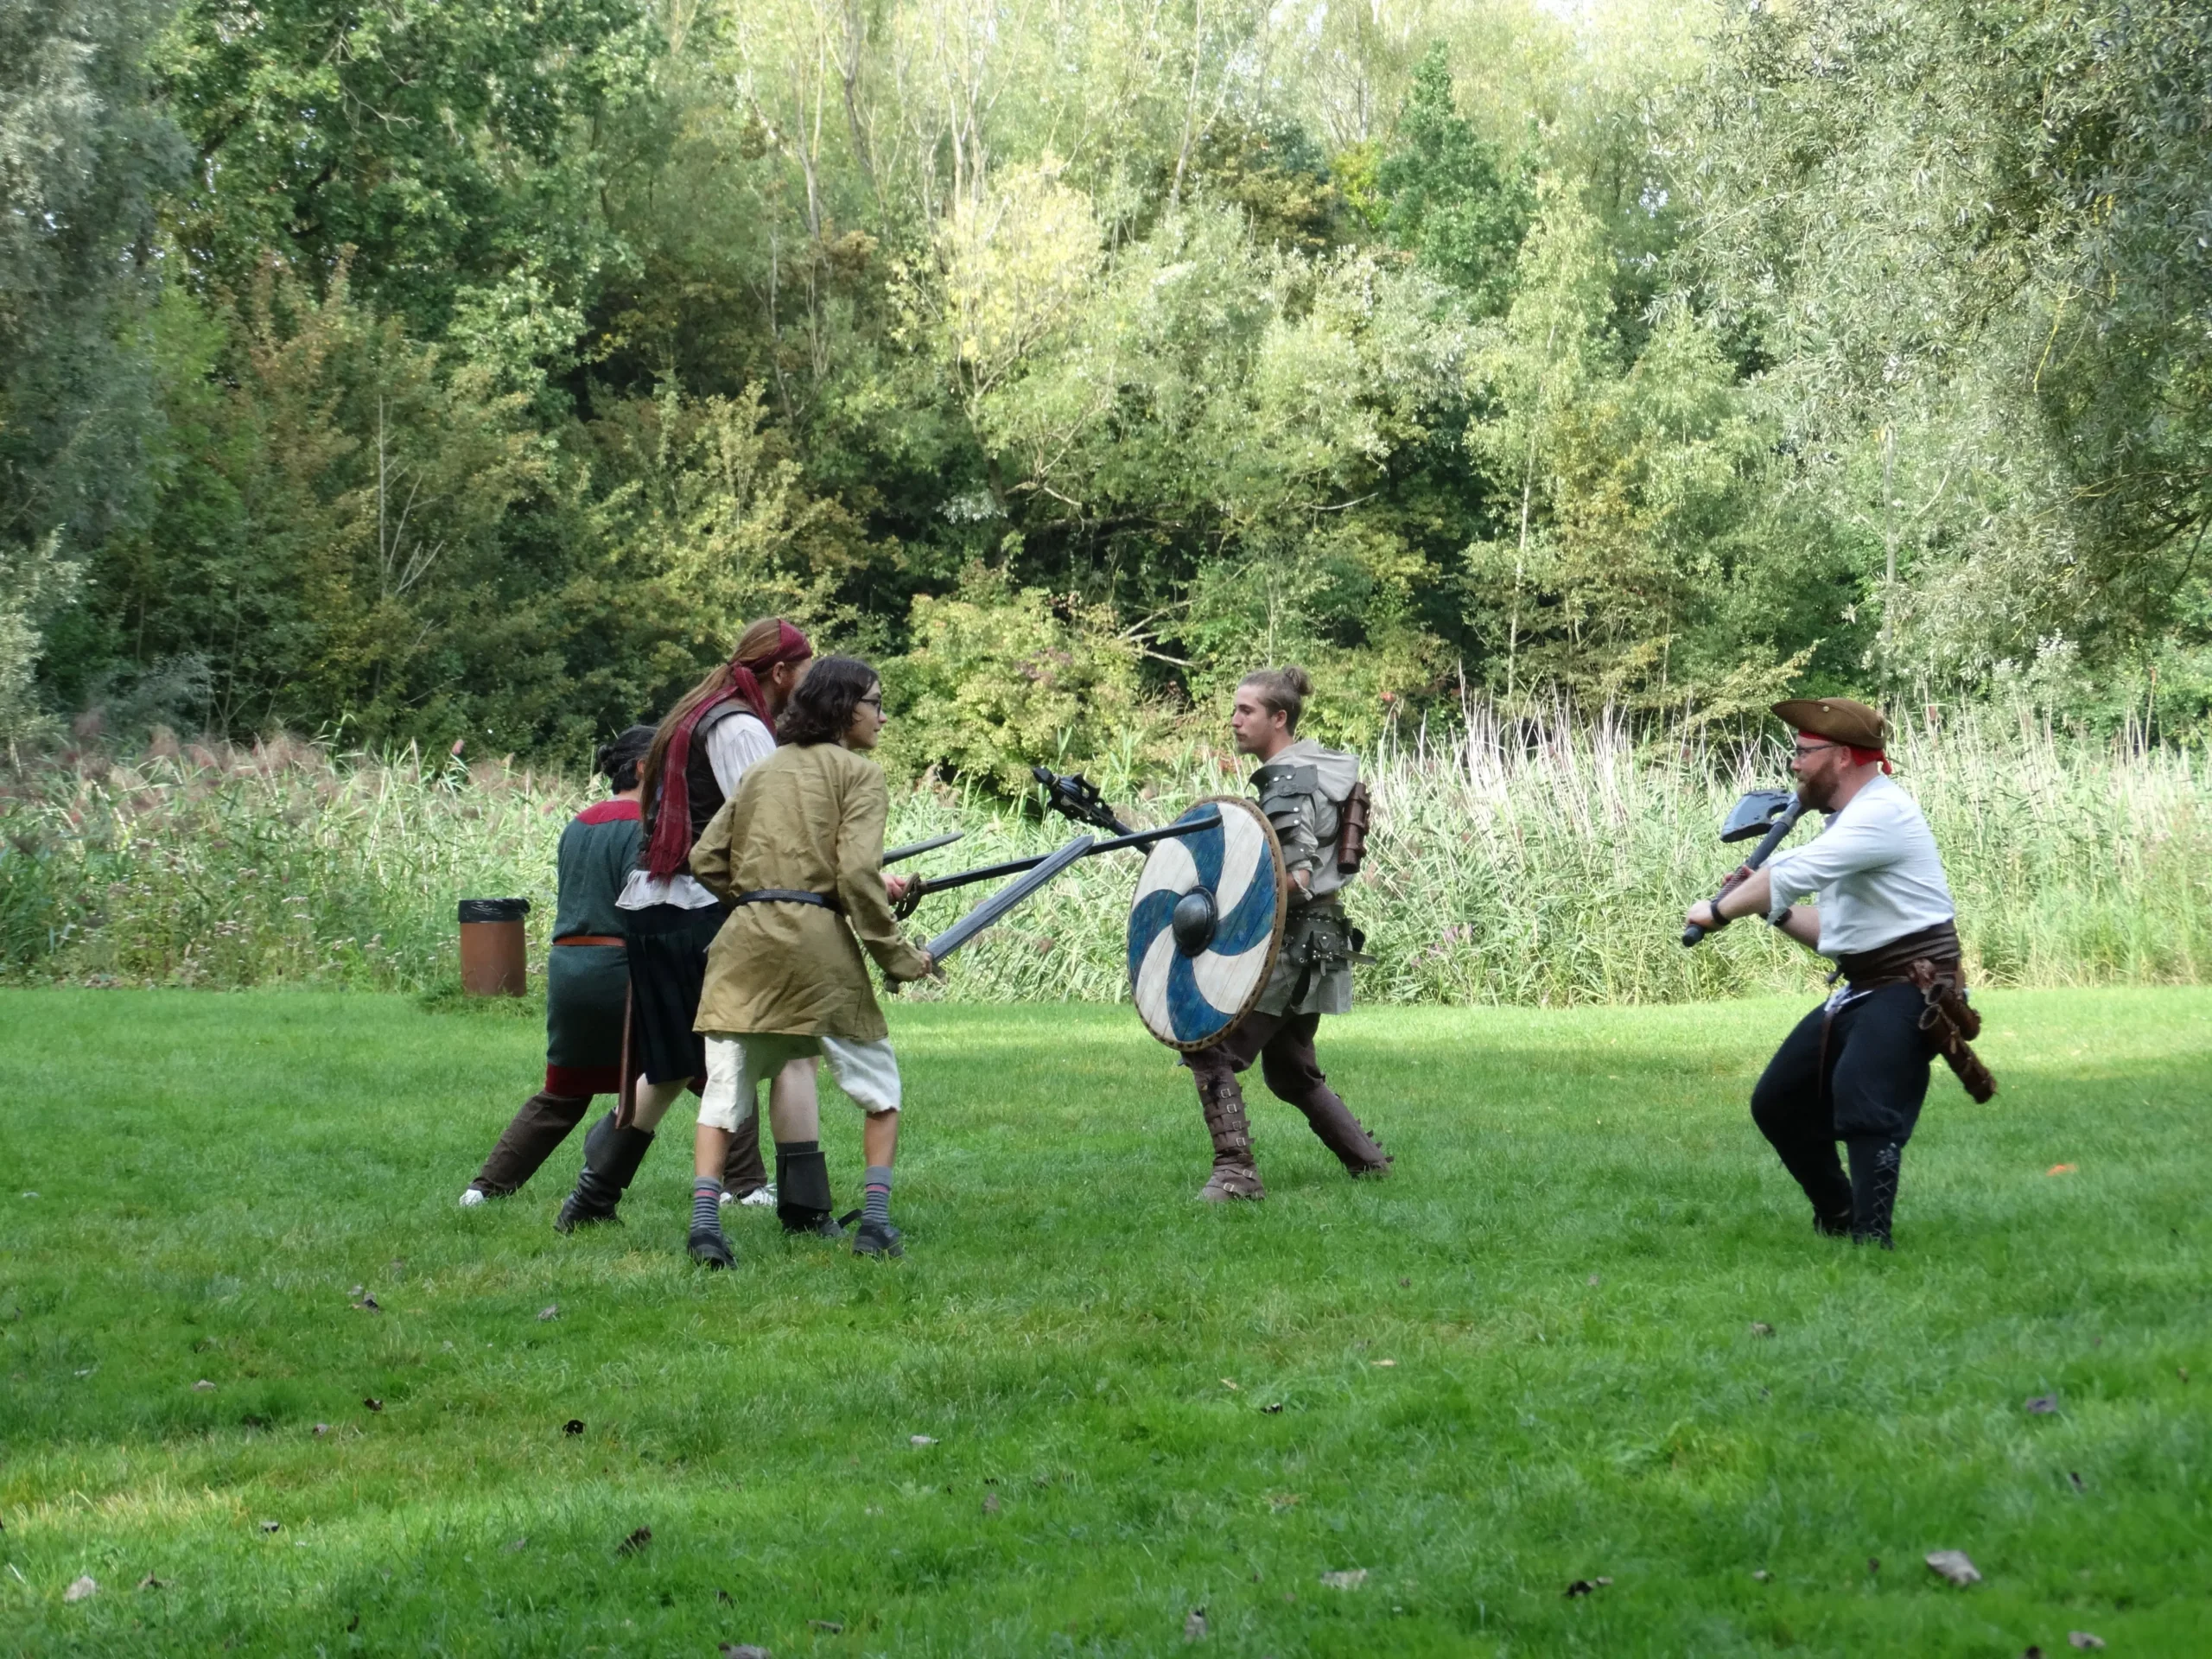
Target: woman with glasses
[798,854]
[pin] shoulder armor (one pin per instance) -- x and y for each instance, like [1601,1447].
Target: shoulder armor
[1282,785]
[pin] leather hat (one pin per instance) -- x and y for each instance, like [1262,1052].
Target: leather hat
[1838,719]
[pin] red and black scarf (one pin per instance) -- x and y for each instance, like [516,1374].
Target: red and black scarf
[672,844]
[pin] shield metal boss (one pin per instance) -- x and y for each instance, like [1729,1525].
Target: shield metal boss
[1206,924]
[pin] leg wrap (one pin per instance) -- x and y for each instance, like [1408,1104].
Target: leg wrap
[742,1169]
[1294,1076]
[611,1159]
[1874,1167]
[544,1123]
[803,1199]
[1221,1100]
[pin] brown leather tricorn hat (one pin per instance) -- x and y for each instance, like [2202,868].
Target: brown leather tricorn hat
[1838,719]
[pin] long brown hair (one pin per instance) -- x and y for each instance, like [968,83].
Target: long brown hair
[754,646]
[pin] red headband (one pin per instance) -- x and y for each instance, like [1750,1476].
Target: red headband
[1868,757]
[671,844]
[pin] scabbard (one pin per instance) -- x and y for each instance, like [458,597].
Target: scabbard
[626,1092]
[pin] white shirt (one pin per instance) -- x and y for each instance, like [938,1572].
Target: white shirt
[1875,868]
[732,745]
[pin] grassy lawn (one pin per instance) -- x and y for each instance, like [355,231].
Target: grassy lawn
[1528,1359]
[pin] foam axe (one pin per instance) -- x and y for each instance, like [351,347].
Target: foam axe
[1776,812]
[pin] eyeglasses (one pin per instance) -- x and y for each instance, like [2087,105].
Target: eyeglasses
[1815,748]
[874,702]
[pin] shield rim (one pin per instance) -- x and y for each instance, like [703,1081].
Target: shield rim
[1275,935]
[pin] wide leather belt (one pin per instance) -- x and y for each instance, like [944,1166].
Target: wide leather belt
[592,938]
[786,896]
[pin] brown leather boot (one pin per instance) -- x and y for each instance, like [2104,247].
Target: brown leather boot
[1360,1153]
[1234,1174]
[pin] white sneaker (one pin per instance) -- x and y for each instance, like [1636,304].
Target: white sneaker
[472,1198]
[760,1197]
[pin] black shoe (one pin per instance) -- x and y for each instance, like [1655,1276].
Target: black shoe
[1831,1226]
[710,1249]
[810,1223]
[877,1239]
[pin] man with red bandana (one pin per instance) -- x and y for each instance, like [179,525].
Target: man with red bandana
[1855,1069]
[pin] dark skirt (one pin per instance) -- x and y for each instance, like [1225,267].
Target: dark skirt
[668,971]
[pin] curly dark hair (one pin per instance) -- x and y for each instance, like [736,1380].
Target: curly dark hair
[820,710]
[621,759]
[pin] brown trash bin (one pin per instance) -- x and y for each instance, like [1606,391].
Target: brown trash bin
[493,952]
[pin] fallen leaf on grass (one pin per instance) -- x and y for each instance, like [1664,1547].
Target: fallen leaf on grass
[1586,1587]
[322,1428]
[2076,1479]
[1593,1278]
[1194,1626]
[1761,1328]
[203,1386]
[2183,1370]
[1761,1575]
[1281,1501]
[1349,1579]
[1952,1564]
[921,1440]
[1405,1284]
[2063,1169]
[1227,1383]
[990,1502]
[830,1625]
[373,1403]
[370,1305]
[2043,1405]
[1386,1363]
[272,1526]
[636,1541]
[353,1624]
[79,1588]
[743,1650]
[518,1545]
[150,1582]
[1873,1563]
[1272,1407]
[573,1426]
[550,1311]
[2031,1651]
[2083,1639]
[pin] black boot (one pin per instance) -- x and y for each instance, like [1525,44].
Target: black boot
[802,1202]
[1874,1167]
[1817,1169]
[610,1160]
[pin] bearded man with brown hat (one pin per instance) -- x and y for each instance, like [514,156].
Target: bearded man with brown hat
[1855,1069]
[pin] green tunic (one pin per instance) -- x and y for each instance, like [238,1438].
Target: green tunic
[587,985]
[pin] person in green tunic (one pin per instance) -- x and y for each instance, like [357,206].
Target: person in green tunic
[798,854]
[587,977]
[1305,790]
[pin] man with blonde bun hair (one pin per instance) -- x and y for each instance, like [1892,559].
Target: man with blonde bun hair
[1855,1069]
[1308,793]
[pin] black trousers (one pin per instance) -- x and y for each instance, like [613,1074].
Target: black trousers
[1869,1093]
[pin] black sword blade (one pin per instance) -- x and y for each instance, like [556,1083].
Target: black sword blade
[916,848]
[1005,899]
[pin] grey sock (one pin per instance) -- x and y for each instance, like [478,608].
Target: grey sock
[876,1206]
[706,1204]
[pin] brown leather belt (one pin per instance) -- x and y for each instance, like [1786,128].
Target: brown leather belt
[592,938]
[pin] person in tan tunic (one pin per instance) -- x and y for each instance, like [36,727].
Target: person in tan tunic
[797,853]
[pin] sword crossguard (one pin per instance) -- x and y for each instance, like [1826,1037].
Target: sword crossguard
[1075,796]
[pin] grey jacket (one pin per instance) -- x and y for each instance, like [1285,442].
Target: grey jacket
[1301,791]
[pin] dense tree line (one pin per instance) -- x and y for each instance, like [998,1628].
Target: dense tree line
[421,371]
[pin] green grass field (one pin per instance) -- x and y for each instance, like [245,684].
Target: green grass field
[1528,1358]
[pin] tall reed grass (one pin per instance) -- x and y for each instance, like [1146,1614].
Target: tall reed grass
[1534,861]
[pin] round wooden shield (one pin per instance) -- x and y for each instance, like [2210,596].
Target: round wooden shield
[1206,924]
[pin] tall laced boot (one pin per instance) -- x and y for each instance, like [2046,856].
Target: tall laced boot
[803,1201]
[1875,1163]
[1815,1168]
[1234,1176]
[611,1160]
[1332,1121]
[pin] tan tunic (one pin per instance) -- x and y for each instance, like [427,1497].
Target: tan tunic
[810,817]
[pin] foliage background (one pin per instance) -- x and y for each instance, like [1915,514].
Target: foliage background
[427,372]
